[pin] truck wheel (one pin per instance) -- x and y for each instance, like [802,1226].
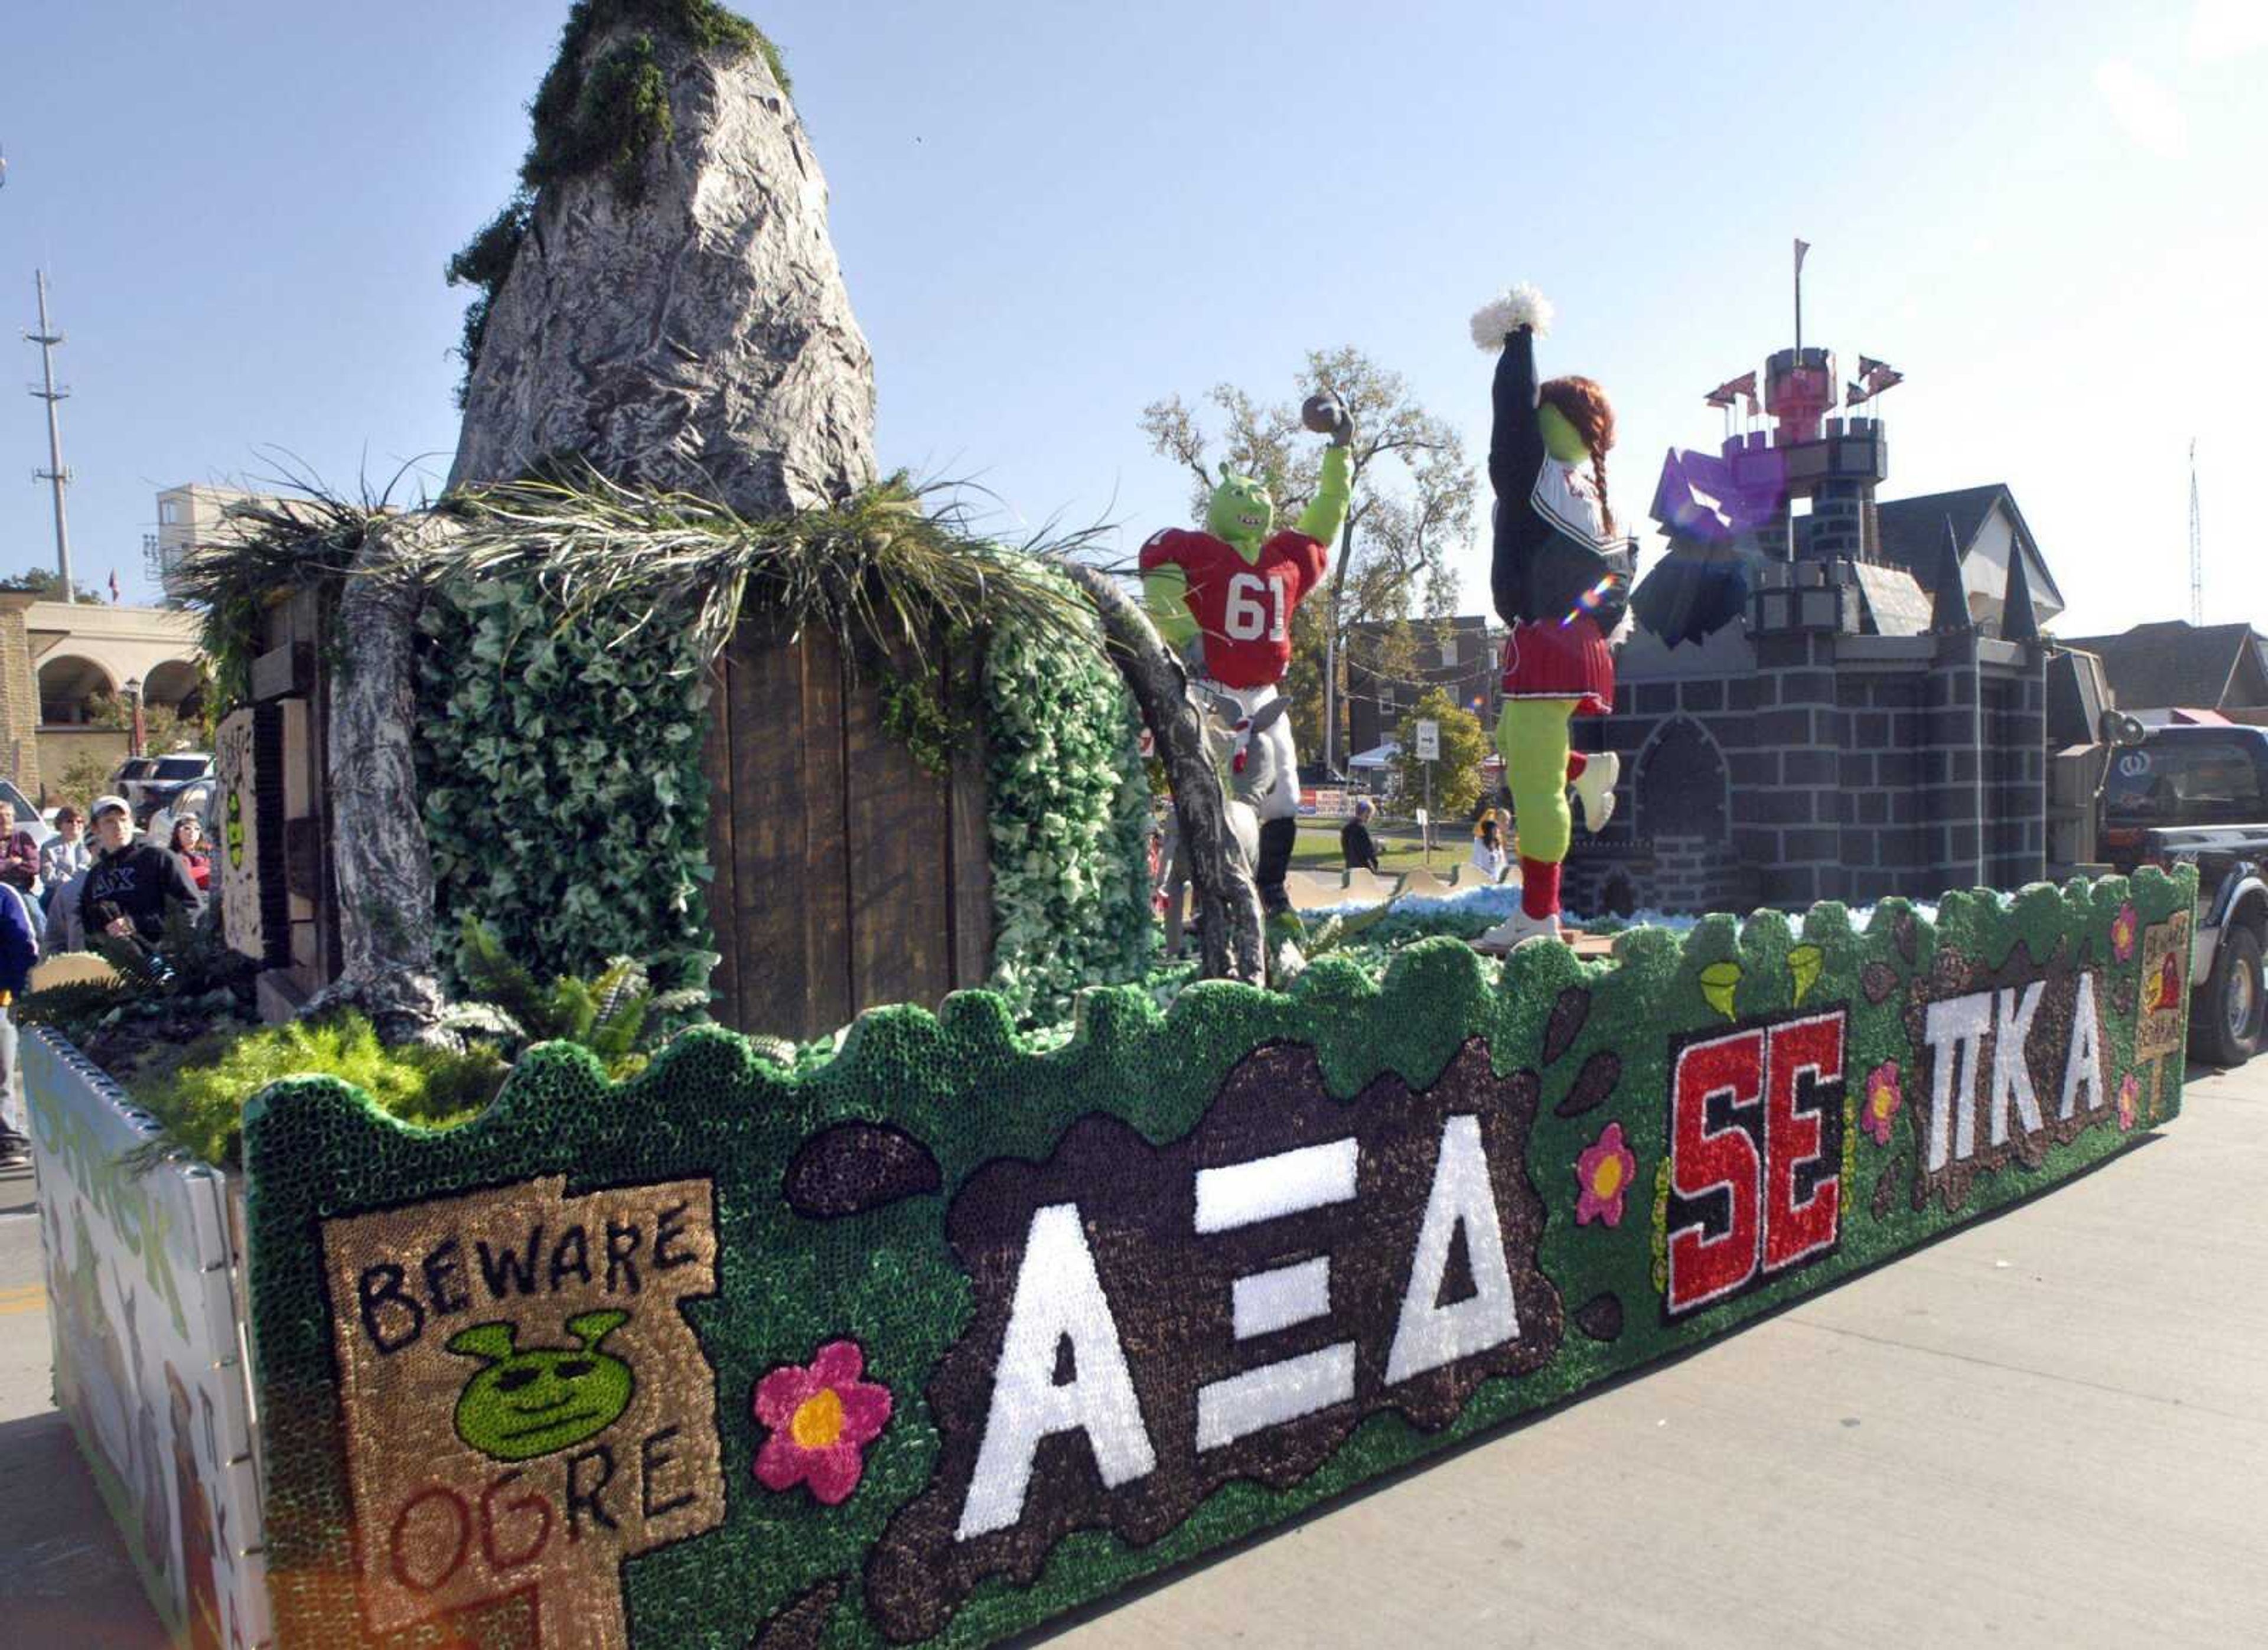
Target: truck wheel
[2226,1019]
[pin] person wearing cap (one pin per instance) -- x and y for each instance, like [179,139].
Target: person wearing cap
[131,883]
[1361,854]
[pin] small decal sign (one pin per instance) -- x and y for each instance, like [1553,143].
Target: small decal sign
[237,852]
[525,1404]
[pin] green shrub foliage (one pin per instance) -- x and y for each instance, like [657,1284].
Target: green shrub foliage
[561,768]
[618,1016]
[1070,806]
[200,1103]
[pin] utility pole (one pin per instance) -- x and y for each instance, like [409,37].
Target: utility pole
[2197,546]
[56,475]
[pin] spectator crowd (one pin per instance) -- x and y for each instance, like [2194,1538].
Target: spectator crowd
[67,892]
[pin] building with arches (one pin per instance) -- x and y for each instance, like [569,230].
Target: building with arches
[65,665]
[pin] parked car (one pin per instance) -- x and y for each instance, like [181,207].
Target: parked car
[195,797]
[28,817]
[130,773]
[2200,796]
[157,780]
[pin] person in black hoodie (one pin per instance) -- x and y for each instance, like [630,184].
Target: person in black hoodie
[131,883]
[1354,840]
[1560,577]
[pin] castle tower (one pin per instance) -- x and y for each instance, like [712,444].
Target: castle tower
[1803,713]
[1834,461]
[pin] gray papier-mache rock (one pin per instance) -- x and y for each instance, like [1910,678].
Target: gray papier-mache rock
[699,340]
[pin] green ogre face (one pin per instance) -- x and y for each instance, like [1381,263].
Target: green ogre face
[235,832]
[1242,512]
[1560,438]
[529,1403]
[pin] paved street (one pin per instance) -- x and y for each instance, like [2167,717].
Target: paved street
[64,1579]
[2048,1430]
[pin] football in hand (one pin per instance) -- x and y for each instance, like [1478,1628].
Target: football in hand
[1322,413]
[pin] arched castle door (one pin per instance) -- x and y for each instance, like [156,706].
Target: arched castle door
[1682,787]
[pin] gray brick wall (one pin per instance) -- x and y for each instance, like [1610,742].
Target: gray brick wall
[1850,777]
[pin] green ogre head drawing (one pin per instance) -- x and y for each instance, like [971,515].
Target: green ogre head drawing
[528,1404]
[1241,511]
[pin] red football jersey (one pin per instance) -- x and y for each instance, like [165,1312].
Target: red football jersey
[1243,610]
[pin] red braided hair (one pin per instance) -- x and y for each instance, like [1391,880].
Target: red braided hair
[1583,404]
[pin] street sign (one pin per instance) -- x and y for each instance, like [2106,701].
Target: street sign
[1429,740]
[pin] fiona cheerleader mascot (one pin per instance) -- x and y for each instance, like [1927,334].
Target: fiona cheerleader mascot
[1560,579]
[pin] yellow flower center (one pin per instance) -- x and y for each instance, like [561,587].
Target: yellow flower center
[1607,1179]
[818,1420]
[1882,1101]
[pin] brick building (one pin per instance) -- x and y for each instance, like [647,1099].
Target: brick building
[1389,666]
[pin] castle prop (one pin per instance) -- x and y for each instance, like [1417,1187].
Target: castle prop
[948,1336]
[1822,696]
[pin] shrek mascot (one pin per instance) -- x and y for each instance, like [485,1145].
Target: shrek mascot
[1233,589]
[1561,580]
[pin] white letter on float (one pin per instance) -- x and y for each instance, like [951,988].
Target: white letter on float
[1261,1303]
[2083,1067]
[1955,1029]
[1428,1335]
[2011,1076]
[1058,1296]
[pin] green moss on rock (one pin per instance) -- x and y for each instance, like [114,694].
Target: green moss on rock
[606,114]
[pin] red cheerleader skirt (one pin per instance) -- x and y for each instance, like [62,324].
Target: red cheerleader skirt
[1561,661]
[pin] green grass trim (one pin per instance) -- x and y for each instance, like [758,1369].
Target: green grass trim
[965,1084]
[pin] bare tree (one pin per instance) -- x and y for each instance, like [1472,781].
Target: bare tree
[1414,498]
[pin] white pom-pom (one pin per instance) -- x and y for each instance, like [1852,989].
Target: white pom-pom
[1509,312]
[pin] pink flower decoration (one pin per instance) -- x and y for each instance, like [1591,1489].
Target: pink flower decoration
[1883,1098]
[2129,1091]
[2123,928]
[1604,1171]
[821,1417]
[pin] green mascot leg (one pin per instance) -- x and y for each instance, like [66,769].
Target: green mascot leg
[1532,738]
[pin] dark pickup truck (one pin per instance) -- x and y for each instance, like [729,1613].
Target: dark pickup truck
[2200,796]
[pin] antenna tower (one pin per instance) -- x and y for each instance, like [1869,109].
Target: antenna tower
[56,475]
[2197,546]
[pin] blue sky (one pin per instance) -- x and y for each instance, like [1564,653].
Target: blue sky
[2050,218]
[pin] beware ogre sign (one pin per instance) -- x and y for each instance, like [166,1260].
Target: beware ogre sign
[949,1336]
[516,1378]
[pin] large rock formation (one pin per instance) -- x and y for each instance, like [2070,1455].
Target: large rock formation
[675,315]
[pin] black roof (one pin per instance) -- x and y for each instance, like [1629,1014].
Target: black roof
[2173,662]
[1913,531]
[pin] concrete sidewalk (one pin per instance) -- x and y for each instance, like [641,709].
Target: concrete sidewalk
[2052,1429]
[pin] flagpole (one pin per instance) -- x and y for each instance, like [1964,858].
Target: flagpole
[1799,302]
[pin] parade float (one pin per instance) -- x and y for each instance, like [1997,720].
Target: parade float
[968,1268]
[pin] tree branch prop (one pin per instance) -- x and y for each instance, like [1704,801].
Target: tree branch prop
[380,856]
[1228,903]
